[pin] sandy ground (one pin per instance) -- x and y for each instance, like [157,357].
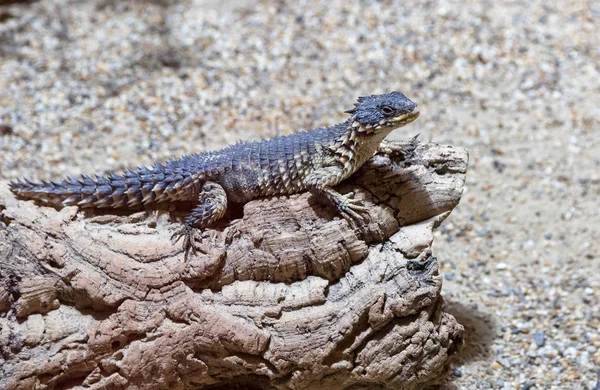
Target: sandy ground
[94,86]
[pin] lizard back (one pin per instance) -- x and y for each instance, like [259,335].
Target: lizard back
[246,170]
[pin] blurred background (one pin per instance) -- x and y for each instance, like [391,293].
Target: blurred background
[94,86]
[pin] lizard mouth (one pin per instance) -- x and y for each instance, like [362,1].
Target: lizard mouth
[400,120]
[405,118]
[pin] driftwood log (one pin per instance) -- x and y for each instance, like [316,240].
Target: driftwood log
[283,294]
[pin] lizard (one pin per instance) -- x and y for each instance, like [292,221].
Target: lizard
[313,160]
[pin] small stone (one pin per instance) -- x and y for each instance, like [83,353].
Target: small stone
[570,352]
[584,359]
[548,236]
[504,362]
[501,266]
[483,232]
[550,352]
[6,130]
[539,337]
[588,291]
[457,373]
[499,166]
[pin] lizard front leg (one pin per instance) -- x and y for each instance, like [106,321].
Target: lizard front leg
[392,146]
[212,204]
[320,183]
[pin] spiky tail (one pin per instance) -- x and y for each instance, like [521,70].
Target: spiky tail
[143,186]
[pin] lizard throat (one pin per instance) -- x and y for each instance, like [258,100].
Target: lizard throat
[357,145]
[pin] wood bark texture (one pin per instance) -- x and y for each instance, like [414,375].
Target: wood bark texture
[282,294]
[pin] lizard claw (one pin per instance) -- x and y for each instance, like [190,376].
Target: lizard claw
[352,209]
[187,233]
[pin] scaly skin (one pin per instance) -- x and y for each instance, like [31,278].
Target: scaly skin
[314,160]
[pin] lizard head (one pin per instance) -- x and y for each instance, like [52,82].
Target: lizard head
[383,113]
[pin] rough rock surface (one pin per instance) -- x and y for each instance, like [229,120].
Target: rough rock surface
[284,295]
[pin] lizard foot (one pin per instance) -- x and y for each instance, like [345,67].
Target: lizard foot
[189,242]
[353,210]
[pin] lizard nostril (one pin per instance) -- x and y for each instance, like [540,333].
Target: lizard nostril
[410,107]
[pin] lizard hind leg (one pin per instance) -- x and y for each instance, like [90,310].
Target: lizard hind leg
[212,204]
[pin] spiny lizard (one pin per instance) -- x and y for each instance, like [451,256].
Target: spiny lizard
[314,160]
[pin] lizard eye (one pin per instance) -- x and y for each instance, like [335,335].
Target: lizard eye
[387,110]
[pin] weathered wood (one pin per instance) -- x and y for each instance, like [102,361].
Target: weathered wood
[287,295]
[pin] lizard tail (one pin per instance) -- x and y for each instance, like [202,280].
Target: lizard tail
[142,186]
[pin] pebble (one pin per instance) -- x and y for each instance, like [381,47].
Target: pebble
[589,291]
[570,352]
[483,232]
[539,338]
